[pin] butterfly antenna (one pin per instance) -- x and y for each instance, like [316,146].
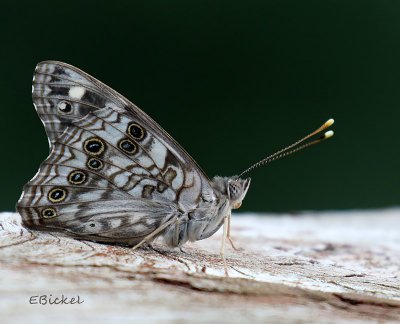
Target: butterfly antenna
[292,148]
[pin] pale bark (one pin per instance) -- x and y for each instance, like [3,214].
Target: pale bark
[310,267]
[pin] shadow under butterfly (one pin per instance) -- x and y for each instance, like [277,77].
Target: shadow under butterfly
[114,175]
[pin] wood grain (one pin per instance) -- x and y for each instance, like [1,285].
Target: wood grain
[332,267]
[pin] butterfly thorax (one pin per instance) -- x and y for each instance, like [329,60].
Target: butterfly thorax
[209,215]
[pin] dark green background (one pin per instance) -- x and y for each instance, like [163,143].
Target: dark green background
[232,81]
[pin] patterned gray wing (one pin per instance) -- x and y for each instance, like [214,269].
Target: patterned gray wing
[63,94]
[107,179]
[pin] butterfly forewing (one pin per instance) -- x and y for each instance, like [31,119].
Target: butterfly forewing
[63,94]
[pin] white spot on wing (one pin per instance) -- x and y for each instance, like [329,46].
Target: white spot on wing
[115,222]
[76,92]
[178,180]
[144,161]
[140,228]
[158,153]
[121,179]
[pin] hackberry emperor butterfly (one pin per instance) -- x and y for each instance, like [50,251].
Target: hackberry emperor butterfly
[114,175]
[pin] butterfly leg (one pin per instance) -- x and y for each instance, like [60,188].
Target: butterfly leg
[224,236]
[229,233]
[176,233]
[153,234]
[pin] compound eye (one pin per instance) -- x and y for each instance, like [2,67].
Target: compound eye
[234,190]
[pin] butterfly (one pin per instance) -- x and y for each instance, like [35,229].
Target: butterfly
[114,175]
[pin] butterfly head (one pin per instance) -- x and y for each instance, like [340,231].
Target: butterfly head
[233,188]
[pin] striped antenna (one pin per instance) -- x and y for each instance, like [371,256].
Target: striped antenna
[294,147]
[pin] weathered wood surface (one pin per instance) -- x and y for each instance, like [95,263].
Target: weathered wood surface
[337,267]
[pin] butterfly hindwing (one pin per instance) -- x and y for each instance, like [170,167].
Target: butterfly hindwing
[99,194]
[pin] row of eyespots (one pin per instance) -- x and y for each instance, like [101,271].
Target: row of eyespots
[55,195]
[137,132]
[59,194]
[93,146]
